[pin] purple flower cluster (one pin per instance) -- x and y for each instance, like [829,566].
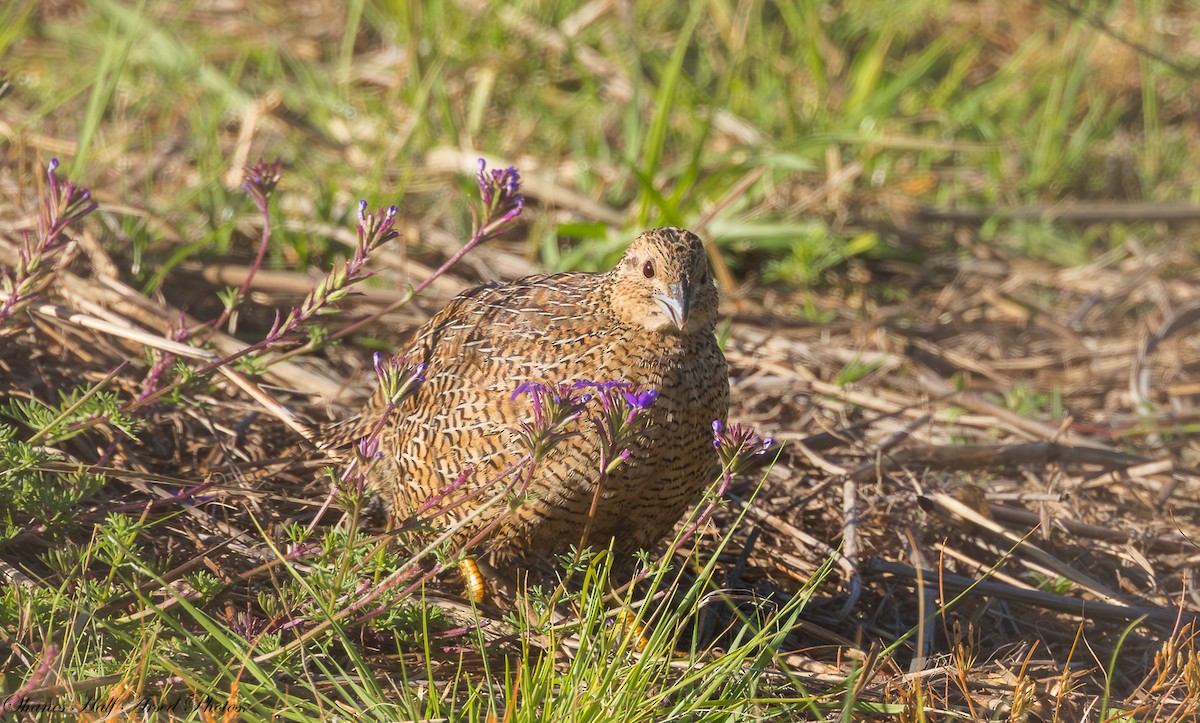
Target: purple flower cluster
[738,445]
[397,378]
[366,449]
[260,180]
[500,191]
[618,420]
[555,407]
[374,228]
[65,204]
[621,418]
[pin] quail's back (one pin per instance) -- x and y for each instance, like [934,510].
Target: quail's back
[649,322]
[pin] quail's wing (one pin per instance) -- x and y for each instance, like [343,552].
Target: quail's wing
[476,352]
[491,335]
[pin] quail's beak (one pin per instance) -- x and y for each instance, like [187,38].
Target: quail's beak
[676,303]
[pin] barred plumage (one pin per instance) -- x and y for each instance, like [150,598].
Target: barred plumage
[650,321]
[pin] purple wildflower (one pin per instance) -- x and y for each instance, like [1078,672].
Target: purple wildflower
[621,417]
[374,229]
[738,445]
[351,485]
[249,626]
[367,449]
[397,378]
[555,408]
[530,388]
[500,191]
[618,421]
[641,400]
[260,181]
[67,203]
[64,204]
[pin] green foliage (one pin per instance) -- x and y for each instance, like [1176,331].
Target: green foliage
[814,251]
[1031,403]
[856,370]
[32,495]
[1057,585]
[252,659]
[704,96]
[78,410]
[603,682]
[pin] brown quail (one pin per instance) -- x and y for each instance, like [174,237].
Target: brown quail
[649,322]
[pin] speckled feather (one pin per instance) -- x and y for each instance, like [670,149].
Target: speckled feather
[552,329]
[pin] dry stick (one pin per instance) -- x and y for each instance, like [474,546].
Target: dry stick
[804,540]
[817,460]
[926,594]
[850,544]
[973,456]
[113,293]
[980,567]
[938,387]
[218,526]
[127,332]
[961,360]
[831,439]
[1138,474]
[117,294]
[179,349]
[146,506]
[948,506]
[1043,453]
[961,584]
[1021,516]
[279,283]
[10,575]
[1139,377]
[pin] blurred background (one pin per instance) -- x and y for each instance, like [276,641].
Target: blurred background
[799,137]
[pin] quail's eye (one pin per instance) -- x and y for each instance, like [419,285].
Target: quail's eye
[648,270]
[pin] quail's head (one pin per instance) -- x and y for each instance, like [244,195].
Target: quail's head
[663,283]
